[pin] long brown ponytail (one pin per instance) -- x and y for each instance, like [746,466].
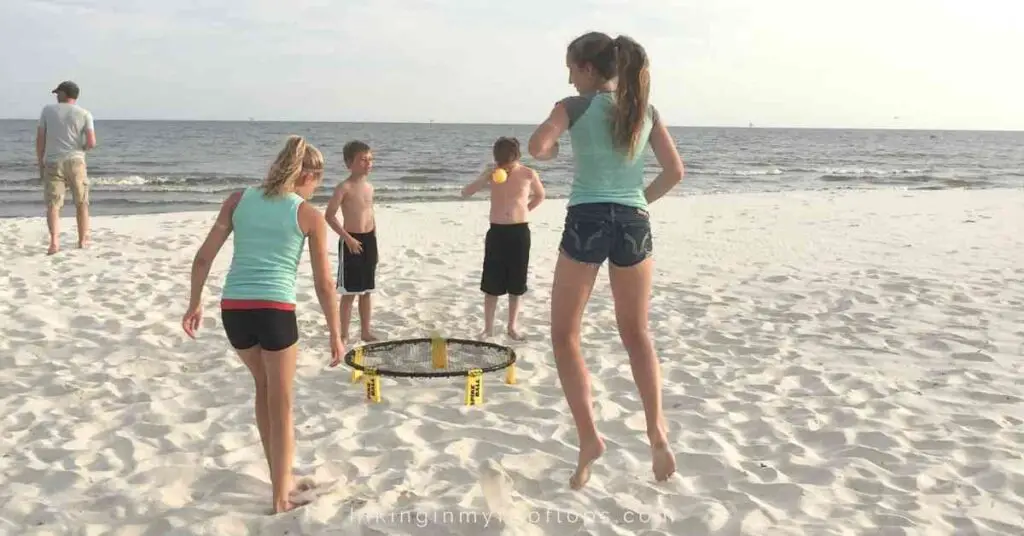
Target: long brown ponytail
[632,94]
[296,156]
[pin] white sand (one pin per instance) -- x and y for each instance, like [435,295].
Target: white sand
[846,363]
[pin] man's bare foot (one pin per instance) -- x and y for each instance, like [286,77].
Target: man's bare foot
[663,462]
[54,248]
[514,334]
[588,455]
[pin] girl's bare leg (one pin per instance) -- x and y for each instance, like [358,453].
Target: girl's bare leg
[253,359]
[631,290]
[280,369]
[573,283]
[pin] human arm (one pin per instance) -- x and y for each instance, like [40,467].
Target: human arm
[543,143]
[480,181]
[40,144]
[203,260]
[331,217]
[90,133]
[41,140]
[668,158]
[537,193]
[315,226]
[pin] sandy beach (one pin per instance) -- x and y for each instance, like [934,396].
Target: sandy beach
[835,363]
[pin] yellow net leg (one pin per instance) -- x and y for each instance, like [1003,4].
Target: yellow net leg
[510,374]
[372,386]
[358,360]
[475,388]
[438,351]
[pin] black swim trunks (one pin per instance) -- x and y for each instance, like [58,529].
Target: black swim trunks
[271,329]
[506,259]
[357,272]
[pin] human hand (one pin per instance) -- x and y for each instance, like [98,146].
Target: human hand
[190,322]
[337,350]
[354,245]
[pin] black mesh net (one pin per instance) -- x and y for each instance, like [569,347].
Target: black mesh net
[415,357]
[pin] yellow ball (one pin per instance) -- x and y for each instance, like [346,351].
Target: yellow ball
[499,176]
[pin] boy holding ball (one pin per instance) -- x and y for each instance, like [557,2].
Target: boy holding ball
[515,191]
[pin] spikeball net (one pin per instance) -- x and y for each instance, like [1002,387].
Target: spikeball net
[432,357]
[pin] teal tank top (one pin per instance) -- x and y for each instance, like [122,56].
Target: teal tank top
[602,173]
[268,247]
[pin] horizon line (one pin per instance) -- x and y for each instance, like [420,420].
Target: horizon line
[471,123]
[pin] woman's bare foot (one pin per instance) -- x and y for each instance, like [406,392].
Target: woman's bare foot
[588,455]
[663,462]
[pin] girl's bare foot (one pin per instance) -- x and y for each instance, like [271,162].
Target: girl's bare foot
[300,495]
[663,462]
[286,506]
[54,248]
[514,334]
[589,453]
[369,337]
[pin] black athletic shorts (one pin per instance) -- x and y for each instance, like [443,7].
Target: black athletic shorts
[357,272]
[506,259]
[271,329]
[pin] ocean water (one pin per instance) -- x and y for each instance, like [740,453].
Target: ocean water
[161,166]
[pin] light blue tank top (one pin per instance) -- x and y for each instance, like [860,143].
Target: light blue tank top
[268,247]
[603,173]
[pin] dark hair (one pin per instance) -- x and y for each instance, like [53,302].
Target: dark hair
[624,58]
[353,149]
[506,151]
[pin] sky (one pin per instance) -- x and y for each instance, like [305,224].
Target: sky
[943,64]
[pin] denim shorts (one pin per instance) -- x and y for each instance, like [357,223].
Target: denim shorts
[595,232]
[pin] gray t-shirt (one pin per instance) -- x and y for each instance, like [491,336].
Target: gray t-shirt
[65,126]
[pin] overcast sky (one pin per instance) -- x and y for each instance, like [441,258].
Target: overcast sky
[803,63]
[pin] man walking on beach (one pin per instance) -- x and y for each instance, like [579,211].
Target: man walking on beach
[64,134]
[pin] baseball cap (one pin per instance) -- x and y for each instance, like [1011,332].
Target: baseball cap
[69,88]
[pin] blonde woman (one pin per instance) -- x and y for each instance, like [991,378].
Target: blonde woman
[271,223]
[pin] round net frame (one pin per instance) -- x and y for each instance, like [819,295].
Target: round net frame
[434,357]
[430,358]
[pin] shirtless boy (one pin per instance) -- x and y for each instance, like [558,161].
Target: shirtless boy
[357,245]
[507,245]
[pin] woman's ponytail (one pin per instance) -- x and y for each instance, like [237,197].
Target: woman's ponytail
[286,167]
[631,95]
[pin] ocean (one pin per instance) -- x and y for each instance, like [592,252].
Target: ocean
[165,166]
